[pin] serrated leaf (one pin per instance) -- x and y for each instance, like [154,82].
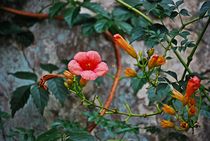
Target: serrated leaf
[125,27]
[56,8]
[204,8]
[173,14]
[50,135]
[19,98]
[180,2]
[121,14]
[97,8]
[133,3]
[137,84]
[70,15]
[40,97]
[56,86]
[88,29]
[25,38]
[25,75]
[171,73]
[101,25]
[184,12]
[136,34]
[49,67]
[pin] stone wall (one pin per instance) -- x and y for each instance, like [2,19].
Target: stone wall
[54,41]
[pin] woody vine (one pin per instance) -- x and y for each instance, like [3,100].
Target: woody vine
[181,107]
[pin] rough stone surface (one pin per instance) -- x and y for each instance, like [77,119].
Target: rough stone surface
[54,42]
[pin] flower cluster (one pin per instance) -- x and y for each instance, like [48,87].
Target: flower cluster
[188,103]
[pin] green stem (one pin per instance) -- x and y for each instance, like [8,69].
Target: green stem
[182,61]
[135,10]
[190,57]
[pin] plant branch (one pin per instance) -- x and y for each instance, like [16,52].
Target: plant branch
[190,57]
[115,83]
[40,16]
[135,10]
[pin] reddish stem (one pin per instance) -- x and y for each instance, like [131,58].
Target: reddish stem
[28,14]
[108,34]
[115,83]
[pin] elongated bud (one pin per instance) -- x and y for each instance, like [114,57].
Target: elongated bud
[166,124]
[150,52]
[129,72]
[152,61]
[192,85]
[168,109]
[156,61]
[176,94]
[121,42]
[68,74]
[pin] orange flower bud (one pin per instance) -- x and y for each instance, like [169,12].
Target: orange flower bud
[184,125]
[83,82]
[192,85]
[121,42]
[129,72]
[166,124]
[192,111]
[68,74]
[156,61]
[168,109]
[176,94]
[161,60]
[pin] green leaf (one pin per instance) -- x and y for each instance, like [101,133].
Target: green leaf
[25,75]
[184,34]
[102,25]
[40,97]
[125,27]
[23,134]
[55,9]
[121,14]
[133,3]
[25,38]
[50,135]
[173,14]
[204,8]
[70,15]
[160,93]
[56,86]
[184,12]
[88,29]
[49,67]
[97,8]
[19,98]
[180,2]
[171,73]
[137,84]
[136,34]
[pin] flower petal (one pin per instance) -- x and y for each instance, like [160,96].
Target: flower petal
[88,75]
[93,56]
[74,67]
[81,57]
[101,69]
